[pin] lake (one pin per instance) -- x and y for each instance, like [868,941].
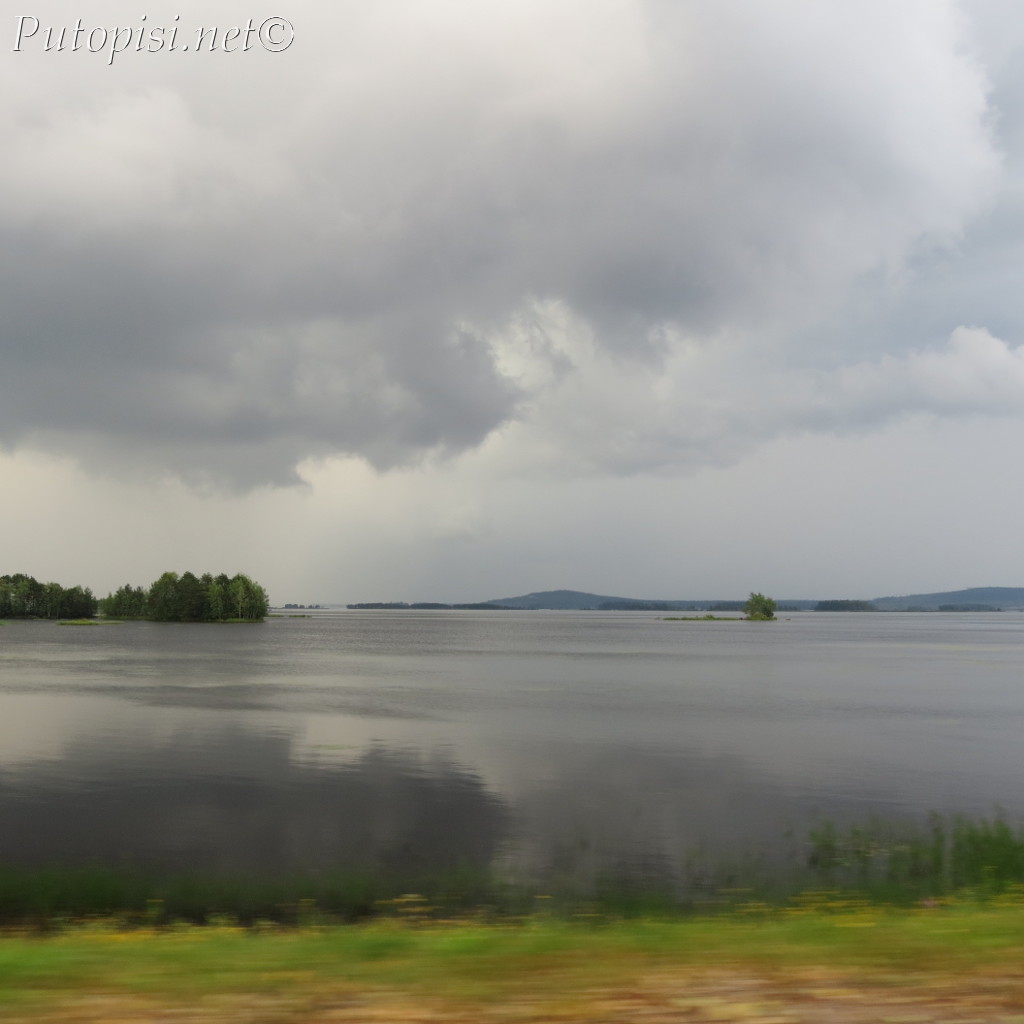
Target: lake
[543,743]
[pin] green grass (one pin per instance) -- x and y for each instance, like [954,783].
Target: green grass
[90,622]
[896,863]
[718,618]
[873,902]
[481,961]
[46,897]
[703,618]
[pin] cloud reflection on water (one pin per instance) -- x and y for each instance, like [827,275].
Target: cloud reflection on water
[232,800]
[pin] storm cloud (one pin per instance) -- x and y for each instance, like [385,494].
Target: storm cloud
[423,223]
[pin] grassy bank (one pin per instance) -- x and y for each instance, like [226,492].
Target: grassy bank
[90,622]
[703,618]
[564,968]
[878,924]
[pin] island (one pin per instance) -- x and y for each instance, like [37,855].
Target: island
[190,598]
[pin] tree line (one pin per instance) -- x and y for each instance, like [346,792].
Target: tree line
[24,597]
[845,606]
[190,598]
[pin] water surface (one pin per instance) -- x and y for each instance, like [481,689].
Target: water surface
[538,741]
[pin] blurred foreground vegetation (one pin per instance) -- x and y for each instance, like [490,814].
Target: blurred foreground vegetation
[877,863]
[876,923]
[558,967]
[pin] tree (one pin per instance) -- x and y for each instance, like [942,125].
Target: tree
[163,598]
[191,594]
[185,598]
[126,602]
[759,608]
[24,596]
[52,601]
[77,603]
[248,600]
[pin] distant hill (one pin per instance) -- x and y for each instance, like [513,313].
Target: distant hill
[579,600]
[575,600]
[974,598]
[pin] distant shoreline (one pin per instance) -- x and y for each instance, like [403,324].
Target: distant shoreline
[976,599]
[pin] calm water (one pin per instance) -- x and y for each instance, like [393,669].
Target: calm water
[536,741]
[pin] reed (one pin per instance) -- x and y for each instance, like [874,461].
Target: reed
[876,864]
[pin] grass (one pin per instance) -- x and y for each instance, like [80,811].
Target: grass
[900,864]
[718,618]
[873,906]
[487,962]
[703,618]
[90,622]
[47,897]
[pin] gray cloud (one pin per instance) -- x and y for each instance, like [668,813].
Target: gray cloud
[220,276]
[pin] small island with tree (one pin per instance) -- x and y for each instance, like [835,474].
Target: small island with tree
[757,608]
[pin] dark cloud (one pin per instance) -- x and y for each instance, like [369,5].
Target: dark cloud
[193,289]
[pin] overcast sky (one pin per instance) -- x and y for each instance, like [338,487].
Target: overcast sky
[454,299]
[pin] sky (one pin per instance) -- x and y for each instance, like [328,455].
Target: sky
[456,300]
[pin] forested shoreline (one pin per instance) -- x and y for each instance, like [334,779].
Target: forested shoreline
[171,598]
[24,597]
